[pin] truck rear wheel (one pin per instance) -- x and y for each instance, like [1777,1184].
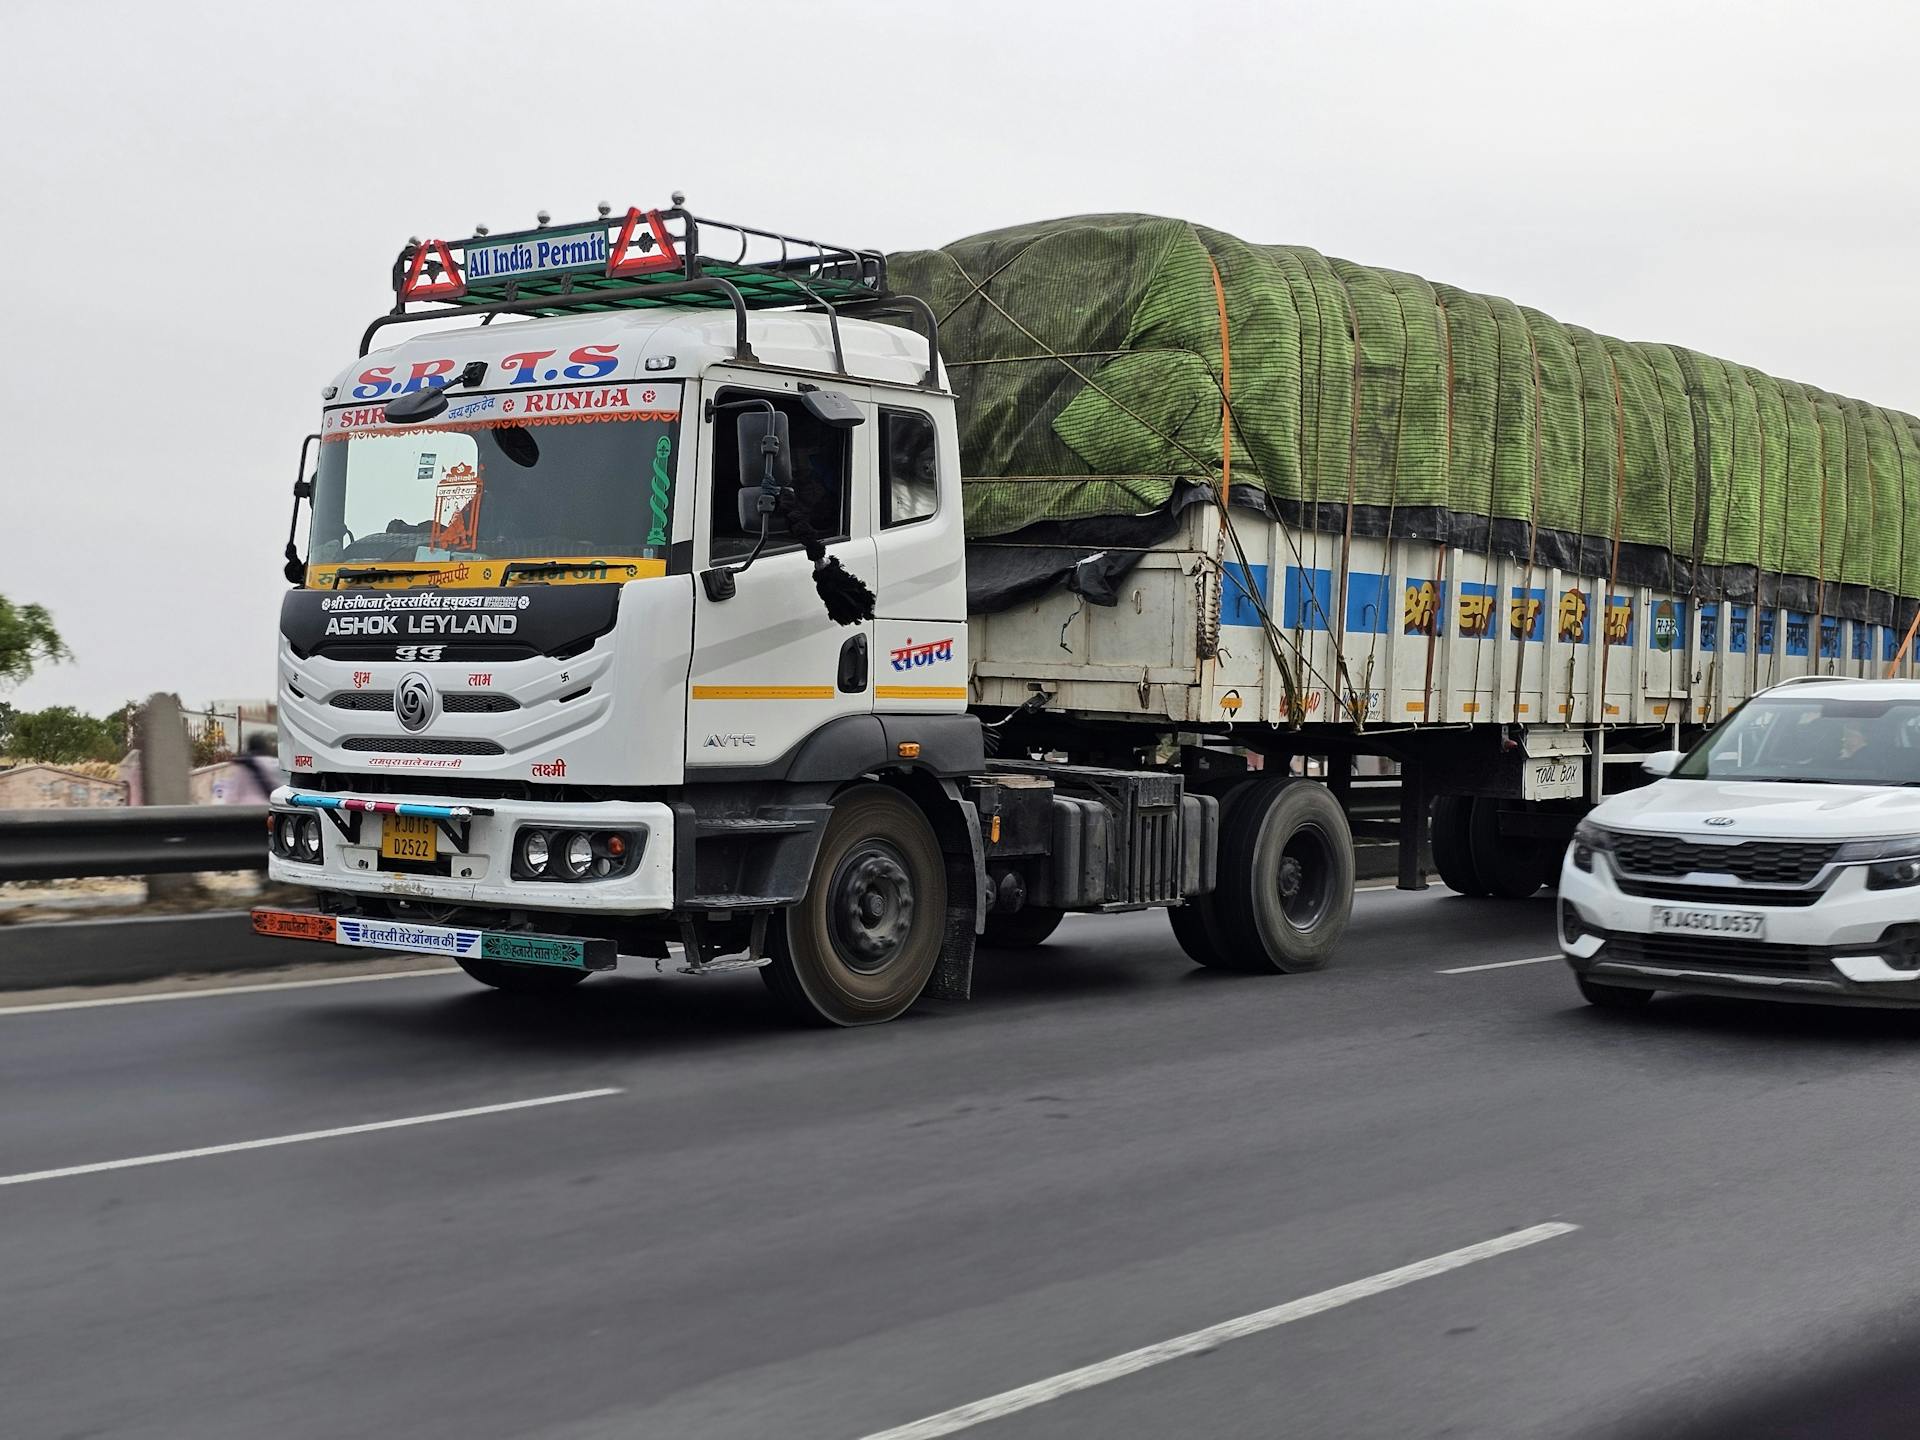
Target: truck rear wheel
[1022,929]
[1196,924]
[862,943]
[1286,876]
[1510,866]
[523,979]
[1453,845]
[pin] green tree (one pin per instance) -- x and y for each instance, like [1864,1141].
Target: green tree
[27,639]
[210,743]
[60,735]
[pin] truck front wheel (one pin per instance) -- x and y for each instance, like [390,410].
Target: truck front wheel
[1286,876]
[862,943]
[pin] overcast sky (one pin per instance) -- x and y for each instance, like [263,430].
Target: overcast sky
[201,203]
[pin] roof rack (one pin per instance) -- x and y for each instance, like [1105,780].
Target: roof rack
[645,260]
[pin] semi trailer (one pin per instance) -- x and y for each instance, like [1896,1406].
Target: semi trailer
[690,593]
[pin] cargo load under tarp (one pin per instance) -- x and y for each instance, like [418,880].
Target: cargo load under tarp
[1087,355]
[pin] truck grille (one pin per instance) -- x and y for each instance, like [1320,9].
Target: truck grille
[421,745]
[457,703]
[1758,862]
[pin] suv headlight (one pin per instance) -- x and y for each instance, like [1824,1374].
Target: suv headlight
[1892,864]
[1589,838]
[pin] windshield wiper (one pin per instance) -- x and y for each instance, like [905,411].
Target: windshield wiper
[374,572]
[550,567]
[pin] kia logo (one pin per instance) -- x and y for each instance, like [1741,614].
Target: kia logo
[413,701]
[1720,821]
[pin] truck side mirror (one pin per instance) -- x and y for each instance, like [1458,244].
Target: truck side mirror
[761,436]
[295,568]
[748,500]
[830,407]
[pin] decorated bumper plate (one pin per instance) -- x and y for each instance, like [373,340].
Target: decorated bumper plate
[457,942]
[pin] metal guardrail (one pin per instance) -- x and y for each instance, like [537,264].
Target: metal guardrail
[136,840]
[183,839]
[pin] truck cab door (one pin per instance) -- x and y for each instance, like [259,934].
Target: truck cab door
[769,666]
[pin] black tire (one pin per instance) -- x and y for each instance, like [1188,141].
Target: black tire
[1022,929]
[523,979]
[1286,877]
[861,944]
[1511,867]
[1196,924]
[1452,839]
[1612,997]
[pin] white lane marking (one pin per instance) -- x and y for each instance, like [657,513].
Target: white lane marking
[947,1422]
[203,992]
[205,1150]
[1500,964]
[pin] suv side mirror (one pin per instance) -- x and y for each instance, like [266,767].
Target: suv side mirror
[1663,762]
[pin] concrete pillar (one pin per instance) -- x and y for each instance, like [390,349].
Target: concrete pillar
[166,765]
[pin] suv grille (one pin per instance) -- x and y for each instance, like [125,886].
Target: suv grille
[1758,862]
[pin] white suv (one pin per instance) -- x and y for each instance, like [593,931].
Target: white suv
[1779,858]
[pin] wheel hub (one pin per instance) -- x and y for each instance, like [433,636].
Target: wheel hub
[871,907]
[1303,877]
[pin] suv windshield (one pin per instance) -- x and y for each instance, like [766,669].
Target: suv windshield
[1813,740]
[593,484]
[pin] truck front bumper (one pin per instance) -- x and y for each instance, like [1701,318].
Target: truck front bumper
[480,871]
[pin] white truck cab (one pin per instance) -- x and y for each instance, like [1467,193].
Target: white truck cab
[641,618]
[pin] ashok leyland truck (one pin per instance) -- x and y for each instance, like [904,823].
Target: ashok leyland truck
[678,591]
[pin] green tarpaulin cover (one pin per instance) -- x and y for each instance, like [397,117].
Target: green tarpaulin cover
[1086,354]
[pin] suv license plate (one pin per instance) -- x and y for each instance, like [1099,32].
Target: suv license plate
[1733,924]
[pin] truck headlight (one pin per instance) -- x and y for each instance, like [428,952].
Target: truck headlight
[578,855]
[310,837]
[535,852]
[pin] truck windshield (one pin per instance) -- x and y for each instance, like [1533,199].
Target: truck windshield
[560,487]
[1809,740]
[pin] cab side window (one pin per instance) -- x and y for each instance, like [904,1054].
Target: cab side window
[821,459]
[909,468]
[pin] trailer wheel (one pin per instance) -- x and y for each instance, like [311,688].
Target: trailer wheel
[1286,876]
[863,941]
[1453,845]
[1022,929]
[523,979]
[1196,924]
[1509,866]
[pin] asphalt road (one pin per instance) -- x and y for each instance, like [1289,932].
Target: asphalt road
[764,1232]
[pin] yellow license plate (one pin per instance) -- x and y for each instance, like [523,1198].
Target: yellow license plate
[409,837]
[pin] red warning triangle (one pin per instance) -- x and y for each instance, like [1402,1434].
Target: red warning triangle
[450,286]
[640,262]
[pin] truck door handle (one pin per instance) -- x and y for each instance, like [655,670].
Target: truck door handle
[853,665]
